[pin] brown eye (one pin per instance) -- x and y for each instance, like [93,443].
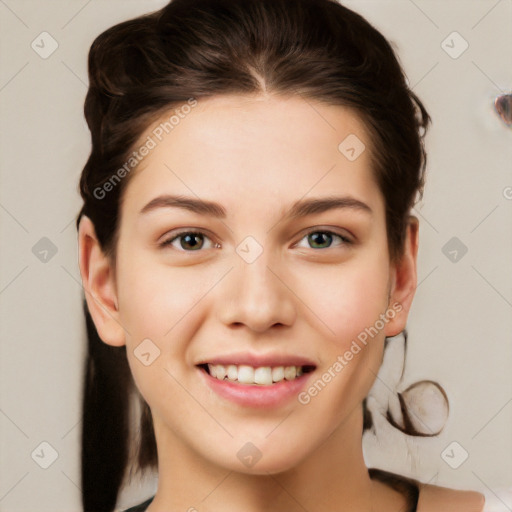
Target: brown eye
[188,241]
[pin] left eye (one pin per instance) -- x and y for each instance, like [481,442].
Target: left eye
[189,241]
[320,238]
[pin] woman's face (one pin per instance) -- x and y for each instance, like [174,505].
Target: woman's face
[277,278]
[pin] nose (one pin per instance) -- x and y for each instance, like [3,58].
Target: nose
[257,295]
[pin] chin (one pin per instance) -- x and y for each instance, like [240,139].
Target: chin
[266,460]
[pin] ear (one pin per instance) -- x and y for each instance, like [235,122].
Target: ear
[98,281]
[403,280]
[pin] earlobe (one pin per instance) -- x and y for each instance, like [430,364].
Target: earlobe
[99,285]
[404,280]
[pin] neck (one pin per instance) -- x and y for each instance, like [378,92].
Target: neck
[332,478]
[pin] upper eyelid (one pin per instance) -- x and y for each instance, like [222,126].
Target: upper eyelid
[333,230]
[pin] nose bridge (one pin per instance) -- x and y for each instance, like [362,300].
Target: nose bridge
[257,297]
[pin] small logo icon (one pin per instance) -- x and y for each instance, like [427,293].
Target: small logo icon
[146,352]
[454,249]
[454,45]
[44,455]
[44,250]
[44,45]
[249,249]
[454,455]
[249,455]
[507,192]
[351,147]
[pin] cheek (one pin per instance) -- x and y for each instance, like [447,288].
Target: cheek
[349,299]
[350,302]
[159,302]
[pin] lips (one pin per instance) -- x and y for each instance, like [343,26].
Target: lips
[256,380]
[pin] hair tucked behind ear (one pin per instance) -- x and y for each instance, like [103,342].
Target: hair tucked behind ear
[105,420]
[145,67]
[106,424]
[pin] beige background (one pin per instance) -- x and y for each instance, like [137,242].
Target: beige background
[461,323]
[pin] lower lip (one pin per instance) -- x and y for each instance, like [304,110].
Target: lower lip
[250,395]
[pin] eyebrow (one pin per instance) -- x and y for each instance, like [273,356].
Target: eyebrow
[300,208]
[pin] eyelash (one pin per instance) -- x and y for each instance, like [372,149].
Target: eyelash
[176,236]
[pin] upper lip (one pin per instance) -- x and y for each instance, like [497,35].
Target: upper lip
[258,360]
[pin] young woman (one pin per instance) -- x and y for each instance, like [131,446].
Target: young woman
[246,249]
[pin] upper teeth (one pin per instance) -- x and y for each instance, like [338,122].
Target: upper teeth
[264,375]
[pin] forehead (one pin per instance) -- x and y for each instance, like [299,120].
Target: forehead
[255,147]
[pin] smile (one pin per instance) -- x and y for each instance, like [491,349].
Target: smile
[262,376]
[256,386]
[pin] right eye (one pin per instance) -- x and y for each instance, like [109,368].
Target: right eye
[189,241]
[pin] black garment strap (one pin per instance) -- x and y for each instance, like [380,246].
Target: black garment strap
[406,486]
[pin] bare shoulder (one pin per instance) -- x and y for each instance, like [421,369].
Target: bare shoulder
[433,498]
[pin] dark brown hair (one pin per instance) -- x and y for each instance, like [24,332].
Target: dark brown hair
[145,67]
